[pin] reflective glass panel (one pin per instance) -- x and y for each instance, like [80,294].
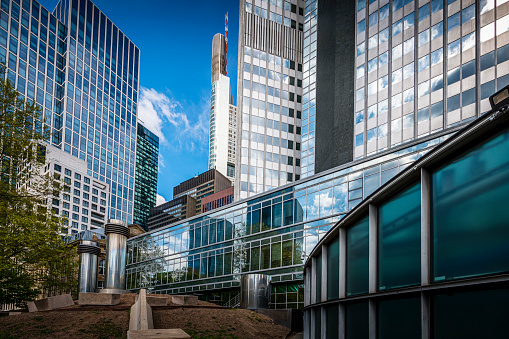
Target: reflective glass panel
[333,270]
[357,261]
[470,212]
[399,240]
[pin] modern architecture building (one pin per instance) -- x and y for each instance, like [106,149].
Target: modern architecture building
[358,129]
[216,200]
[83,73]
[171,211]
[425,66]
[84,199]
[202,185]
[269,233]
[269,95]
[145,188]
[411,69]
[223,114]
[424,256]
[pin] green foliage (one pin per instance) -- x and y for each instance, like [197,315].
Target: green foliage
[33,258]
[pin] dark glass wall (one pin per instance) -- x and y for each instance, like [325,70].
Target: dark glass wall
[470,212]
[333,270]
[357,260]
[399,319]
[399,240]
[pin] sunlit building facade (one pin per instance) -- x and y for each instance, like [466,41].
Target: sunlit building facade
[223,114]
[269,95]
[425,66]
[83,73]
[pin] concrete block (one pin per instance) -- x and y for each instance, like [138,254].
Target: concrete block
[15,313]
[174,333]
[154,300]
[141,314]
[60,301]
[50,303]
[184,300]
[103,299]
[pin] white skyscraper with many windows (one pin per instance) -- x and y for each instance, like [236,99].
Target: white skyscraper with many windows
[269,94]
[223,117]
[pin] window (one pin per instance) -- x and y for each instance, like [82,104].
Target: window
[424,12]
[357,259]
[454,21]
[58,168]
[77,192]
[68,172]
[399,251]
[452,211]
[409,20]
[361,26]
[77,176]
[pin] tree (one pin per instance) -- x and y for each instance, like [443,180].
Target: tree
[33,256]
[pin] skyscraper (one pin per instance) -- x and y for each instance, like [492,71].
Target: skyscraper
[145,188]
[425,67]
[83,73]
[269,95]
[223,117]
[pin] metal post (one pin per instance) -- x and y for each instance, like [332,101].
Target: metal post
[88,258]
[117,233]
[254,291]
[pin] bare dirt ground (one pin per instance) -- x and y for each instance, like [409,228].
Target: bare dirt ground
[205,320]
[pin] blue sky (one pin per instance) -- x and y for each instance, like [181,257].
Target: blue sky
[175,41]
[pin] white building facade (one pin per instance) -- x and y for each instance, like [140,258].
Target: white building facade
[269,95]
[223,117]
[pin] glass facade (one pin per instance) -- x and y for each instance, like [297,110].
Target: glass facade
[425,66]
[430,244]
[269,95]
[83,73]
[268,233]
[309,89]
[470,233]
[399,240]
[147,159]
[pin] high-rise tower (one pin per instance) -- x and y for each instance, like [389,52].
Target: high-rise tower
[147,158]
[269,94]
[223,117]
[83,73]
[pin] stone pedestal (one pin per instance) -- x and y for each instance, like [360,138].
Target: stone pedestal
[50,303]
[99,299]
[185,300]
[153,300]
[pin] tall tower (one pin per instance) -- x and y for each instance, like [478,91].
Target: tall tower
[147,158]
[269,94]
[223,118]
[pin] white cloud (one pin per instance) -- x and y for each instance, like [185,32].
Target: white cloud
[160,200]
[165,117]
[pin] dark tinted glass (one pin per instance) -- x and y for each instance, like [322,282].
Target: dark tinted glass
[357,321]
[357,261]
[471,315]
[399,319]
[333,270]
[470,212]
[399,240]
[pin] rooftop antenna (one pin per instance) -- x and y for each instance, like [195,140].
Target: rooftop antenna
[226,41]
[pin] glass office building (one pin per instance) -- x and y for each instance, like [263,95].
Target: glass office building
[269,233]
[425,256]
[83,73]
[147,159]
[425,66]
[269,95]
